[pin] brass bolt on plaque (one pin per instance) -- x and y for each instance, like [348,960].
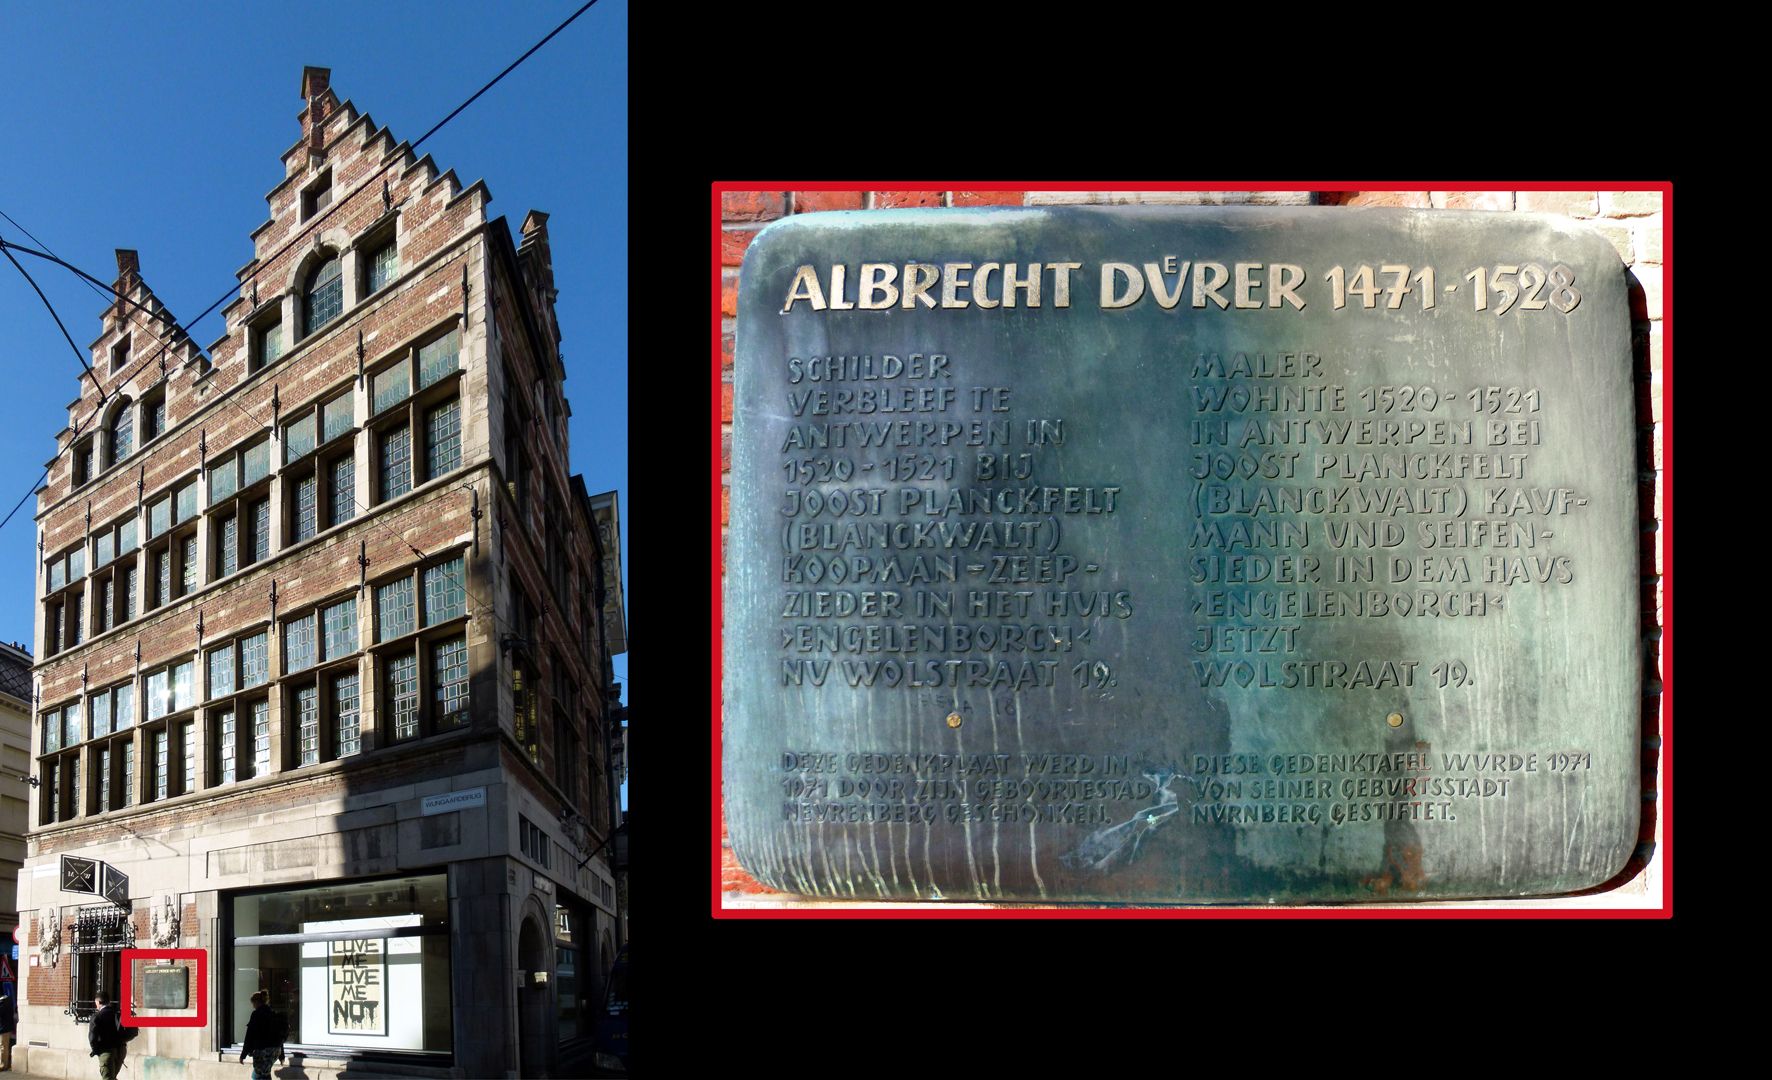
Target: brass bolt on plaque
[1394,719]
[953,719]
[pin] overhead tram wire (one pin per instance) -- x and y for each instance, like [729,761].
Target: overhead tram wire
[233,291]
[78,355]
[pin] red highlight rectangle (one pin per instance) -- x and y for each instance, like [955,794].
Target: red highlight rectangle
[202,989]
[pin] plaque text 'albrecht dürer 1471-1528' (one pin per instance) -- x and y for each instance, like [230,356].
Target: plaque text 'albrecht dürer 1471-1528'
[1297,568]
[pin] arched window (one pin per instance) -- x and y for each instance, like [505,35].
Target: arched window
[122,434]
[325,296]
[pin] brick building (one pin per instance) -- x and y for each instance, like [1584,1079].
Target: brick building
[325,650]
[15,768]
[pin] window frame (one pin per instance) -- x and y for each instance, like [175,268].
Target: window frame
[412,412]
[311,285]
[259,337]
[117,570]
[420,644]
[317,463]
[238,504]
[313,190]
[178,532]
[368,246]
[152,400]
[321,676]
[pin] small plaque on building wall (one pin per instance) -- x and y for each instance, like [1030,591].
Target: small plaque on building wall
[166,988]
[1230,554]
[79,875]
[453,800]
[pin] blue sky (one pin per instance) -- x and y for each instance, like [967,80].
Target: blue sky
[158,127]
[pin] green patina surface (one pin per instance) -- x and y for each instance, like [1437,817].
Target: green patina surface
[1248,596]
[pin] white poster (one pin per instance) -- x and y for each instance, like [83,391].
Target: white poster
[366,991]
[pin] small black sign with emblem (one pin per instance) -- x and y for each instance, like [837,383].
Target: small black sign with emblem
[79,875]
[116,886]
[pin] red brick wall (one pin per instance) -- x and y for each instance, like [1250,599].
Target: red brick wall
[1632,221]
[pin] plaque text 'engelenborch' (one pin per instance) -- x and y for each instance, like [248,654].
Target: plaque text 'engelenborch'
[1156,554]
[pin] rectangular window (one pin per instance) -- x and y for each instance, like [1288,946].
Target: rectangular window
[391,387]
[449,660]
[307,712]
[108,597]
[159,516]
[260,515]
[438,359]
[153,418]
[159,702]
[188,560]
[300,971]
[298,644]
[184,502]
[394,609]
[341,629]
[298,438]
[396,462]
[104,548]
[344,491]
[344,700]
[445,592]
[187,739]
[70,726]
[403,695]
[307,510]
[162,576]
[128,774]
[255,463]
[104,779]
[254,660]
[221,671]
[52,731]
[261,738]
[129,576]
[123,701]
[382,265]
[270,343]
[229,744]
[158,764]
[230,545]
[442,439]
[98,708]
[77,617]
[224,479]
[337,418]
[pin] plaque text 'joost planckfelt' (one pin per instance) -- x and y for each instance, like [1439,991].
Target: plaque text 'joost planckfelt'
[1139,554]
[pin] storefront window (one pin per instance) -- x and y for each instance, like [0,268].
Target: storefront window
[359,965]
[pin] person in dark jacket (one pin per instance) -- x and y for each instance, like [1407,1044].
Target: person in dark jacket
[8,1029]
[265,1033]
[108,1037]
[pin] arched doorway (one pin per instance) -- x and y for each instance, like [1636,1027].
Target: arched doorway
[535,1021]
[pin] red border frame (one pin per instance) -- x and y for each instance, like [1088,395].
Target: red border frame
[129,957]
[1520,909]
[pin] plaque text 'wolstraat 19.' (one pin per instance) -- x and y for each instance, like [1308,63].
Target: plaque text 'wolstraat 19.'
[1138,554]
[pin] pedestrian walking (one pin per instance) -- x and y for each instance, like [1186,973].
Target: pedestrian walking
[265,1032]
[108,1037]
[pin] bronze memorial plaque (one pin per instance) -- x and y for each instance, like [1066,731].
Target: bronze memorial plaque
[1148,554]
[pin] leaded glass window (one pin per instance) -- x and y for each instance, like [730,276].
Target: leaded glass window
[298,438]
[450,670]
[129,774]
[344,699]
[382,266]
[52,731]
[129,576]
[391,387]
[403,695]
[186,733]
[104,779]
[337,417]
[185,502]
[325,296]
[124,699]
[261,738]
[260,513]
[162,576]
[188,558]
[445,592]
[104,548]
[394,609]
[229,743]
[344,490]
[256,462]
[438,359]
[158,703]
[159,516]
[442,439]
[396,462]
[230,545]
[159,751]
[98,708]
[70,726]
[307,510]
[184,685]
[122,435]
[298,643]
[254,662]
[341,629]
[307,712]
[126,537]
[221,671]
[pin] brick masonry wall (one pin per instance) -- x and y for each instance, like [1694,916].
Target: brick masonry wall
[1631,220]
